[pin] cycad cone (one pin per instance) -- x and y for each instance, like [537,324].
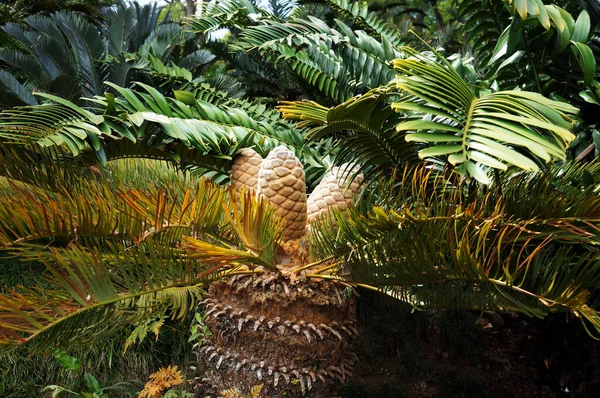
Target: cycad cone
[280,334]
[337,189]
[281,182]
[244,170]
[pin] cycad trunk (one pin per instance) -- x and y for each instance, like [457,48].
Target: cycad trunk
[281,335]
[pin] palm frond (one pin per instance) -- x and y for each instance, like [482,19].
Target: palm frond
[281,8]
[14,87]
[338,63]
[365,127]
[64,44]
[101,210]
[95,292]
[215,16]
[117,256]
[359,12]
[147,124]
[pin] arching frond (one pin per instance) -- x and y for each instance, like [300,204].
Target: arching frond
[118,255]
[498,129]
[215,16]
[430,242]
[338,63]
[184,129]
[365,127]
[358,12]
[95,292]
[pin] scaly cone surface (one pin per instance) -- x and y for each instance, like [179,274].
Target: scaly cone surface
[281,182]
[336,190]
[244,170]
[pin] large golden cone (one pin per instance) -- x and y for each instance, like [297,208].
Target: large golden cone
[281,182]
[244,170]
[337,189]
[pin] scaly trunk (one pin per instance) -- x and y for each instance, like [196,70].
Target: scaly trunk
[278,333]
[292,345]
[281,335]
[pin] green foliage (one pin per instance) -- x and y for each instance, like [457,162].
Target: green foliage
[471,131]
[116,248]
[492,129]
[25,374]
[110,239]
[510,248]
[67,55]
[192,132]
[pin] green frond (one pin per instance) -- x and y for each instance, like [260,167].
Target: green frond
[119,254]
[358,11]
[92,293]
[186,130]
[368,126]
[221,15]
[338,63]
[482,251]
[16,89]
[99,210]
[494,130]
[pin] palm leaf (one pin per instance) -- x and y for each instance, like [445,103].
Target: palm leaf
[95,292]
[367,125]
[183,129]
[369,21]
[117,256]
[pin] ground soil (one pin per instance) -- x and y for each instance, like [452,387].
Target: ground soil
[463,354]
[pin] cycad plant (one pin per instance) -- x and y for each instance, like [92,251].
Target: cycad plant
[488,221]
[277,302]
[67,55]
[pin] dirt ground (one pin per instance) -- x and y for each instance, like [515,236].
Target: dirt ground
[464,354]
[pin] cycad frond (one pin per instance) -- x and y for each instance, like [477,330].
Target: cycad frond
[368,126]
[117,255]
[94,292]
[358,12]
[64,44]
[338,63]
[184,129]
[99,210]
[431,243]
[498,129]
[223,14]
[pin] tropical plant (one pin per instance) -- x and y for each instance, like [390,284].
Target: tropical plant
[131,242]
[131,252]
[67,55]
